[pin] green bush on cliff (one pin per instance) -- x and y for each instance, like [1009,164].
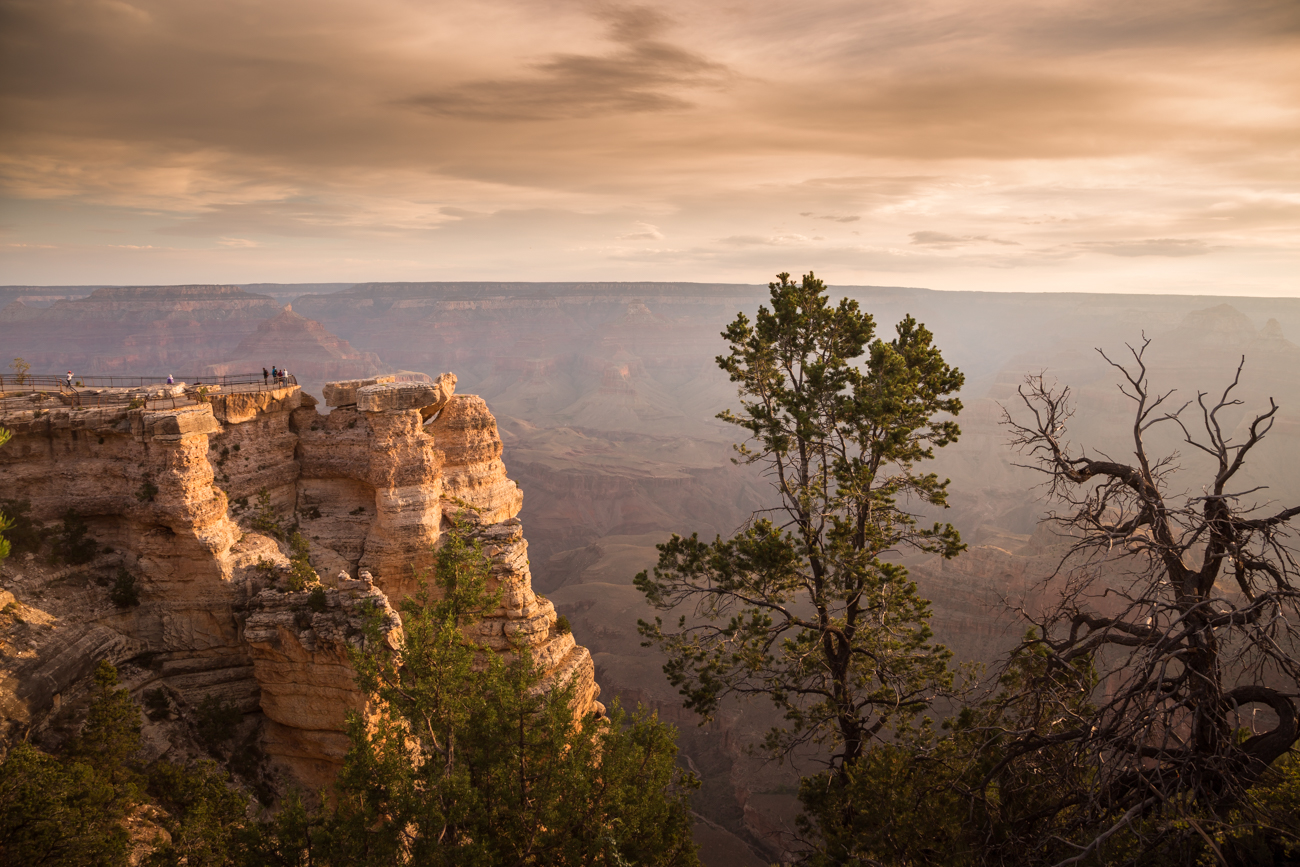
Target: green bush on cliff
[23,534]
[70,810]
[72,544]
[217,721]
[468,762]
[125,592]
[266,520]
[300,572]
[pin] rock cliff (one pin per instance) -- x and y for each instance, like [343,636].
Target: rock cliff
[170,496]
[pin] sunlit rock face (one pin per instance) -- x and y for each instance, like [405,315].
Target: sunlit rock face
[172,495]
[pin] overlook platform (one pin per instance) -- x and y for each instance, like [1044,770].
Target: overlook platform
[36,394]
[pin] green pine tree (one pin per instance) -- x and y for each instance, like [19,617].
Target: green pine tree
[805,609]
[473,759]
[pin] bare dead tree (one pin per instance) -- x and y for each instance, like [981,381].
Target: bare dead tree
[1174,618]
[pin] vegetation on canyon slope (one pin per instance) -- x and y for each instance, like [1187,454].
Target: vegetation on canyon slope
[1116,731]
[467,760]
[1119,731]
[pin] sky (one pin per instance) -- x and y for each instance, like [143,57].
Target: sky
[1108,145]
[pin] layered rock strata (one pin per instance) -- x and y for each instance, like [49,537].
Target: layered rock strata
[300,661]
[173,495]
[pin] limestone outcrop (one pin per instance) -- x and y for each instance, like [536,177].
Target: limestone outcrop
[300,660]
[187,500]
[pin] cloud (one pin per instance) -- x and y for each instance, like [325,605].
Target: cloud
[647,232]
[784,240]
[1176,247]
[838,219]
[944,240]
[428,137]
[642,74]
[935,238]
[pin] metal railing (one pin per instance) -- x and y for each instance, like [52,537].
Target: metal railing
[37,381]
[40,392]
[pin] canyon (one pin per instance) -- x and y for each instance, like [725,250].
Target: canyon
[372,484]
[604,399]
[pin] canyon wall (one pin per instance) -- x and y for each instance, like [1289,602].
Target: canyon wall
[170,497]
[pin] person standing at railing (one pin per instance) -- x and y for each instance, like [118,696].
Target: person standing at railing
[170,381]
[69,379]
[264,380]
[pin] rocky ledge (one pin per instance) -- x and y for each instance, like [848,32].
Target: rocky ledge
[194,505]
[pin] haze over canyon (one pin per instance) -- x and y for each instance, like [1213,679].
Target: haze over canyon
[603,397]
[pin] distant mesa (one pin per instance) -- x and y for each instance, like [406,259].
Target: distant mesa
[1227,327]
[1270,337]
[192,292]
[17,311]
[302,346]
[1222,325]
[639,316]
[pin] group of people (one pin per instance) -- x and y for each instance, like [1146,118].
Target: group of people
[280,375]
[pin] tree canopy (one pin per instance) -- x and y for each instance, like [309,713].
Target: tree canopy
[803,606]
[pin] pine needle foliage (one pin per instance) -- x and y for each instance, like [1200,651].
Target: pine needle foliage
[803,606]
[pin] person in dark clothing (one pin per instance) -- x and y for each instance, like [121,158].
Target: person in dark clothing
[264,375]
[69,379]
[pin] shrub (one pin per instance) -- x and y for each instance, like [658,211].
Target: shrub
[562,625]
[125,592]
[20,368]
[157,705]
[23,533]
[268,568]
[265,519]
[313,513]
[217,721]
[71,544]
[317,600]
[147,491]
[300,572]
[359,510]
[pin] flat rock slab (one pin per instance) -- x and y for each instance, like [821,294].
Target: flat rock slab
[181,422]
[395,396]
[344,392]
[405,395]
